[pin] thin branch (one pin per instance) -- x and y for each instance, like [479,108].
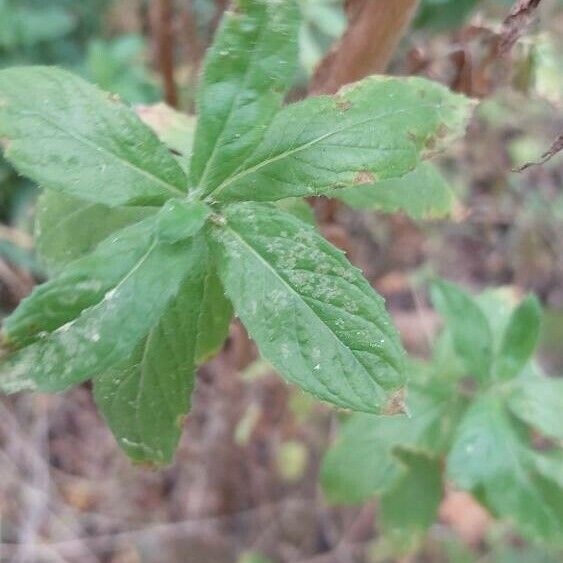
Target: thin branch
[555,148]
[517,23]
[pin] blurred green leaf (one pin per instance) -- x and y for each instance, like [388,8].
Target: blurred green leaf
[490,457]
[253,557]
[118,66]
[361,463]
[300,208]
[410,507]
[323,21]
[520,338]
[423,194]
[439,15]
[25,26]
[470,330]
[538,401]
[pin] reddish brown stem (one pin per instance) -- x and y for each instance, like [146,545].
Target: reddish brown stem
[161,24]
[374,31]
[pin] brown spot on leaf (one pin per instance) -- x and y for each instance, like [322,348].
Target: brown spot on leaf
[180,421]
[5,143]
[442,131]
[342,103]
[396,404]
[364,177]
[430,143]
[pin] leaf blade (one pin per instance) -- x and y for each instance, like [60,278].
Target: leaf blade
[247,72]
[81,285]
[67,228]
[469,327]
[145,398]
[538,401]
[422,194]
[374,130]
[105,333]
[97,149]
[215,317]
[508,483]
[267,261]
[361,463]
[411,506]
[520,338]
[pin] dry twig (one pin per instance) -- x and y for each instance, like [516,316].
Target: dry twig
[556,147]
[516,24]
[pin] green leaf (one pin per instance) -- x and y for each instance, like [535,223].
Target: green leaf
[247,72]
[373,130]
[82,284]
[497,305]
[361,462]
[490,457]
[67,228]
[520,338]
[25,26]
[68,136]
[145,398]
[180,219]
[538,401]
[109,331]
[411,506]
[215,317]
[443,14]
[470,330]
[422,194]
[549,464]
[300,208]
[313,315]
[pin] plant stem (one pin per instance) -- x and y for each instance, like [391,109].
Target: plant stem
[374,31]
[161,25]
